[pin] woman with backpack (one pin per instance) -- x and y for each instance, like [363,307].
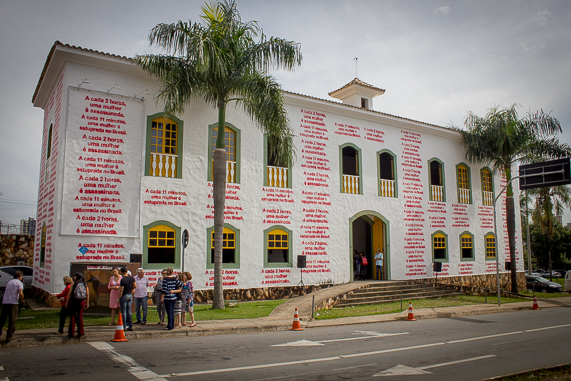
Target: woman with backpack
[364,264]
[77,301]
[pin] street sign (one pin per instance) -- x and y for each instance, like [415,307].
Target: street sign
[546,174]
[185,238]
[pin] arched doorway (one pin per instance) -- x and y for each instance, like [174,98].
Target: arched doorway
[369,232]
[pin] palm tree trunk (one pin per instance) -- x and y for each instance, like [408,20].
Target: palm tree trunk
[219,189]
[510,216]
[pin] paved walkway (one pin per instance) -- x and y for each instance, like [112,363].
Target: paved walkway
[280,319]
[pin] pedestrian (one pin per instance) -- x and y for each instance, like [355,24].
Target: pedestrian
[171,286]
[189,307]
[62,297]
[77,301]
[127,287]
[13,293]
[180,301]
[364,264]
[160,304]
[114,285]
[379,264]
[141,296]
[357,263]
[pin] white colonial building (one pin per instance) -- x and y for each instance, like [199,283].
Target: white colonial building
[120,182]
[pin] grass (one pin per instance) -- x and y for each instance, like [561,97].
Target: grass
[30,319]
[557,373]
[393,307]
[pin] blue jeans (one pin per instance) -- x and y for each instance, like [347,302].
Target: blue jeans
[138,303]
[125,304]
[380,272]
[169,307]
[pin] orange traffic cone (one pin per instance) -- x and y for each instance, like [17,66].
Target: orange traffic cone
[296,326]
[535,305]
[119,333]
[410,316]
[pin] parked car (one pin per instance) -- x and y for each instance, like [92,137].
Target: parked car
[541,284]
[562,272]
[7,274]
[554,274]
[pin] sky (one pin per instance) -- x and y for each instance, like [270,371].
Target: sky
[436,59]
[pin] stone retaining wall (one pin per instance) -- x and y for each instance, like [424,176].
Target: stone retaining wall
[477,284]
[16,248]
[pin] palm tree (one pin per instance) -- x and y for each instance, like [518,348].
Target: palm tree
[500,139]
[221,60]
[548,200]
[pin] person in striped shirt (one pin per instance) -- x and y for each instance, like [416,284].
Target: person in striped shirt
[171,286]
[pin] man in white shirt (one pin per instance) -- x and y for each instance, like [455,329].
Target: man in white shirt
[379,264]
[141,296]
[14,291]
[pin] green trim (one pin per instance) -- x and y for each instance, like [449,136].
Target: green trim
[238,150]
[386,241]
[177,237]
[289,262]
[395,166]
[265,172]
[482,183]
[209,263]
[443,179]
[445,260]
[359,158]
[473,257]
[179,143]
[490,259]
[469,174]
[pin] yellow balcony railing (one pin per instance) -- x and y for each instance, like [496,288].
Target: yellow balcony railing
[387,188]
[464,195]
[350,184]
[436,193]
[163,165]
[488,198]
[277,177]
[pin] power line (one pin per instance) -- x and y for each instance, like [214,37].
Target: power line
[19,203]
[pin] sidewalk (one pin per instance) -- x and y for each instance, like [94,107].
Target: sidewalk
[279,320]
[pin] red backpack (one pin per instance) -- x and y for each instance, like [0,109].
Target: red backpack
[364,261]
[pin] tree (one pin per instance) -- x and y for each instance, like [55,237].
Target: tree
[222,60]
[548,200]
[500,139]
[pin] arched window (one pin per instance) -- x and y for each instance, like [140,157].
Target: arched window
[161,244]
[228,246]
[350,157]
[466,247]
[487,189]
[490,246]
[43,246]
[439,247]
[232,147]
[387,174]
[277,174]
[463,180]
[164,146]
[436,178]
[278,246]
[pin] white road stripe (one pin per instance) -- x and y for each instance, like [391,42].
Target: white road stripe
[455,362]
[355,355]
[135,369]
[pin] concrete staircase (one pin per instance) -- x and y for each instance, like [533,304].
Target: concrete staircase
[390,291]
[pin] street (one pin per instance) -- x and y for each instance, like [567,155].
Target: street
[462,348]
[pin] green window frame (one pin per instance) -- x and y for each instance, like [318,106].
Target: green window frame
[490,246]
[151,249]
[387,173]
[274,240]
[274,175]
[439,243]
[436,178]
[467,247]
[487,182]
[348,168]
[464,183]
[231,242]
[157,143]
[233,178]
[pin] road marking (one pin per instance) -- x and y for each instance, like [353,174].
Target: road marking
[401,370]
[308,343]
[355,355]
[135,369]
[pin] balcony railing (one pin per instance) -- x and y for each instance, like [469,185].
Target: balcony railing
[387,188]
[277,177]
[230,171]
[464,195]
[350,184]
[488,198]
[436,193]
[163,165]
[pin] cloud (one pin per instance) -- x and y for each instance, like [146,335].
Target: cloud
[542,18]
[443,10]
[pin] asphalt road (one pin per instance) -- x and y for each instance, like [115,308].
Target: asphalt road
[467,348]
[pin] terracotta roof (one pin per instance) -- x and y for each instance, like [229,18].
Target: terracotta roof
[357,81]
[51,53]
[371,111]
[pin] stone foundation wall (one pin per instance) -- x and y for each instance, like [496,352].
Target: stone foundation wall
[16,248]
[477,284]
